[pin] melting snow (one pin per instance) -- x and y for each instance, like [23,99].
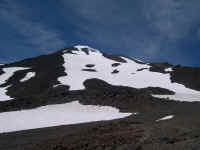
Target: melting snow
[28,76]
[56,115]
[8,72]
[166,118]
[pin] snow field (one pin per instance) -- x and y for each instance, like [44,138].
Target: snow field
[127,75]
[56,115]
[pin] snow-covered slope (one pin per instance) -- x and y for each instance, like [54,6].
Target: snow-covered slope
[131,73]
[54,115]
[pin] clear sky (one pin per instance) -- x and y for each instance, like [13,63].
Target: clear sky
[151,30]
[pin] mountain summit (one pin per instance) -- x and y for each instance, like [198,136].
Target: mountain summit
[83,85]
[72,67]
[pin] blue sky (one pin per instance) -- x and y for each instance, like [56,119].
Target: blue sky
[156,30]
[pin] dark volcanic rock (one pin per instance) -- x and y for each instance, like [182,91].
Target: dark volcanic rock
[90,70]
[115,71]
[97,92]
[1,72]
[188,76]
[115,58]
[142,69]
[158,91]
[115,64]
[85,50]
[159,67]
[90,65]
[47,68]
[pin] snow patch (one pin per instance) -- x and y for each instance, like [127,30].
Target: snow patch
[165,118]
[54,86]
[3,96]
[8,72]
[136,113]
[56,115]
[28,76]
[80,47]
[168,70]
[180,97]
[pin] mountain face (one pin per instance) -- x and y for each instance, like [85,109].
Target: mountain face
[137,105]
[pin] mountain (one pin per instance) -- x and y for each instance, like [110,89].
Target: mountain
[81,98]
